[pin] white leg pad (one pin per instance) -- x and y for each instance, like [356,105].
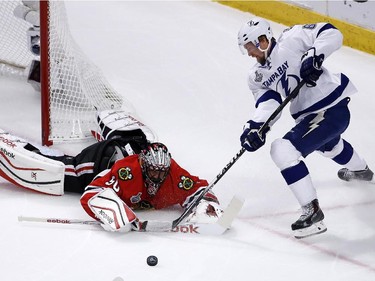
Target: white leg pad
[28,169]
[111,122]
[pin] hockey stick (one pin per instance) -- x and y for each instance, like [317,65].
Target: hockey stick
[217,228]
[189,209]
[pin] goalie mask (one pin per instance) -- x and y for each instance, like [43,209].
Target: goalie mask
[155,162]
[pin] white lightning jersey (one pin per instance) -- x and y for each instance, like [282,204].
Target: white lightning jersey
[280,74]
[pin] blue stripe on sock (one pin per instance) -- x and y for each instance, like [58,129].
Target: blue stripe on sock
[345,155]
[295,173]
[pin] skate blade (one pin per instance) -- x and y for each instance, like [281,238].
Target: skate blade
[362,181]
[315,229]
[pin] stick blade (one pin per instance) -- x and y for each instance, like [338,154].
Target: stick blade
[231,212]
[225,221]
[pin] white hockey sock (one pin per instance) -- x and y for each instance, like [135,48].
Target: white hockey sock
[356,163]
[304,190]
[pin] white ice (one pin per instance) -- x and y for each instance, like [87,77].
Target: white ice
[179,65]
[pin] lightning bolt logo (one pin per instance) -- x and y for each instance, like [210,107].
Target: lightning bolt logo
[315,123]
[285,84]
[286,81]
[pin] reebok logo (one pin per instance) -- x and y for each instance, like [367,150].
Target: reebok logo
[7,153]
[106,217]
[58,221]
[7,142]
[190,228]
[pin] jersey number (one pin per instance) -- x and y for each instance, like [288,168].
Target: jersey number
[309,26]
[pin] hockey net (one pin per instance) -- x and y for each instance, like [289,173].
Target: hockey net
[72,87]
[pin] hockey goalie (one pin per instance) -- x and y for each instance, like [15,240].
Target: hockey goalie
[125,171]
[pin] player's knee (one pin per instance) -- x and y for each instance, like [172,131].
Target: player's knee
[333,151]
[284,154]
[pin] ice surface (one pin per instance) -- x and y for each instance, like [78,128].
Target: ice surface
[179,65]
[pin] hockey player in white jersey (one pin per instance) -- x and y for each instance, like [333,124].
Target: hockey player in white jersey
[320,109]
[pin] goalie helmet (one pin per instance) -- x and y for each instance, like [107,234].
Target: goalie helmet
[155,162]
[251,31]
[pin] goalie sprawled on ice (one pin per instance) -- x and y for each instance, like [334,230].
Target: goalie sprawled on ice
[121,173]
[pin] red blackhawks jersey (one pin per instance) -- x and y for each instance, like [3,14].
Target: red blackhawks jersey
[125,178]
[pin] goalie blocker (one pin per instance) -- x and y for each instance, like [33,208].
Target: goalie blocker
[114,214]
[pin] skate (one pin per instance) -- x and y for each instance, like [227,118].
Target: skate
[310,222]
[363,175]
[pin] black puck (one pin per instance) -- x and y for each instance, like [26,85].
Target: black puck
[152,260]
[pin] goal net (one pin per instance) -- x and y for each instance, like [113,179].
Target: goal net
[72,87]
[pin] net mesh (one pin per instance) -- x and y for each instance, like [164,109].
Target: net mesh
[77,88]
[14,53]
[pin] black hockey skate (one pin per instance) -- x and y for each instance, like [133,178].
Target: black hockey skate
[363,175]
[310,222]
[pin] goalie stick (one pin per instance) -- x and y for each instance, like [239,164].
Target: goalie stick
[217,228]
[189,209]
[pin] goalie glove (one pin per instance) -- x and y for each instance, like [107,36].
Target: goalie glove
[114,214]
[205,212]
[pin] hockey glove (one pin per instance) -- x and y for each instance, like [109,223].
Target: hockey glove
[311,70]
[205,212]
[250,139]
[114,214]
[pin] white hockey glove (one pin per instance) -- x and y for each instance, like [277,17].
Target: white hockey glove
[28,11]
[32,4]
[114,214]
[205,212]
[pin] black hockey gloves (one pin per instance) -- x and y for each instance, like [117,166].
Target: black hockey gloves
[250,139]
[311,64]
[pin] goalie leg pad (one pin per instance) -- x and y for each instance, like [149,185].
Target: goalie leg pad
[114,123]
[29,169]
[112,211]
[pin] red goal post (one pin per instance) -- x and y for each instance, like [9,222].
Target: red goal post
[72,87]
